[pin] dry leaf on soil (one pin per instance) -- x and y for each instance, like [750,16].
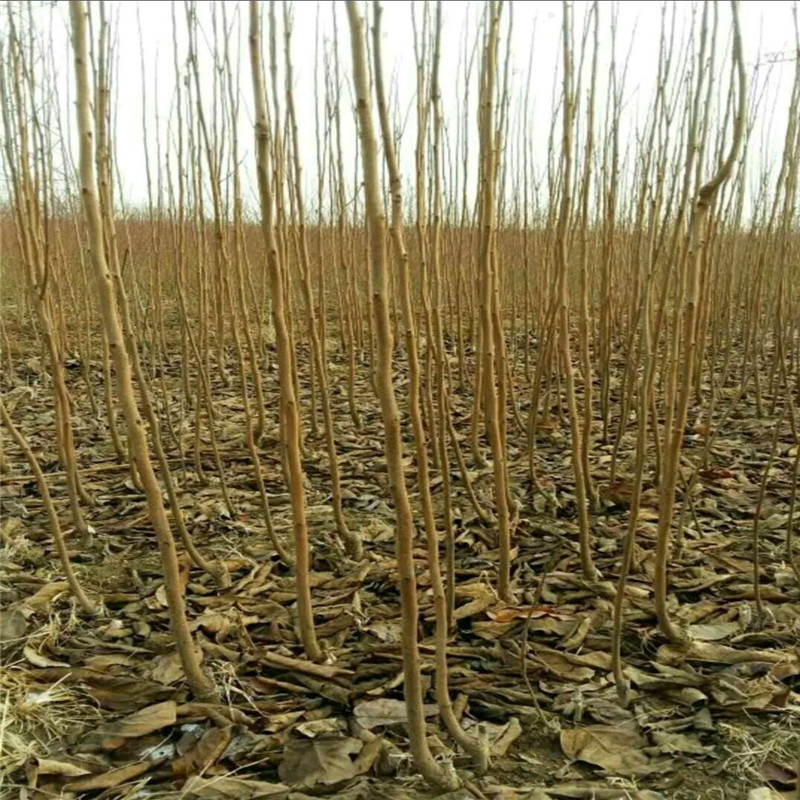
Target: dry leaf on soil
[167,669]
[385,711]
[38,660]
[152,718]
[613,749]
[585,790]
[766,793]
[59,766]
[319,762]
[679,743]
[501,737]
[223,788]
[211,746]
[44,597]
[109,779]
[12,624]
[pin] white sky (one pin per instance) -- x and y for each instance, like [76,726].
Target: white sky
[767,29]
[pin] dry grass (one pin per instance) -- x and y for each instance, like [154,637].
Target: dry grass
[777,741]
[38,718]
[34,719]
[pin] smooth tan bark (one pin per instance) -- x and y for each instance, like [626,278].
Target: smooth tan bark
[198,682]
[477,749]
[289,414]
[435,773]
[690,300]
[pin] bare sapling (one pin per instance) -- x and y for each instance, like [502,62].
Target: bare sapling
[199,683]
[492,361]
[477,749]
[689,304]
[289,413]
[439,775]
[562,235]
[75,587]
[349,538]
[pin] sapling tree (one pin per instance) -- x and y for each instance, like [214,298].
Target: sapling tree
[289,412]
[107,302]
[435,773]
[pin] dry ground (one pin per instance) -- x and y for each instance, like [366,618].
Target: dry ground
[98,706]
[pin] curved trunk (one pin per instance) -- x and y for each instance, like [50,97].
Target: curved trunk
[198,682]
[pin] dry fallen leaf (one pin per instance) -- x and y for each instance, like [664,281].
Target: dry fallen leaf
[714,631]
[319,762]
[680,743]
[765,793]
[718,653]
[559,664]
[225,787]
[511,613]
[321,727]
[576,637]
[41,601]
[501,737]
[113,735]
[385,711]
[211,746]
[59,766]
[585,790]
[12,624]
[167,669]
[38,660]
[476,605]
[614,749]
[109,779]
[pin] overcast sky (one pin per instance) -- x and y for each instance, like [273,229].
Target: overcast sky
[767,29]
